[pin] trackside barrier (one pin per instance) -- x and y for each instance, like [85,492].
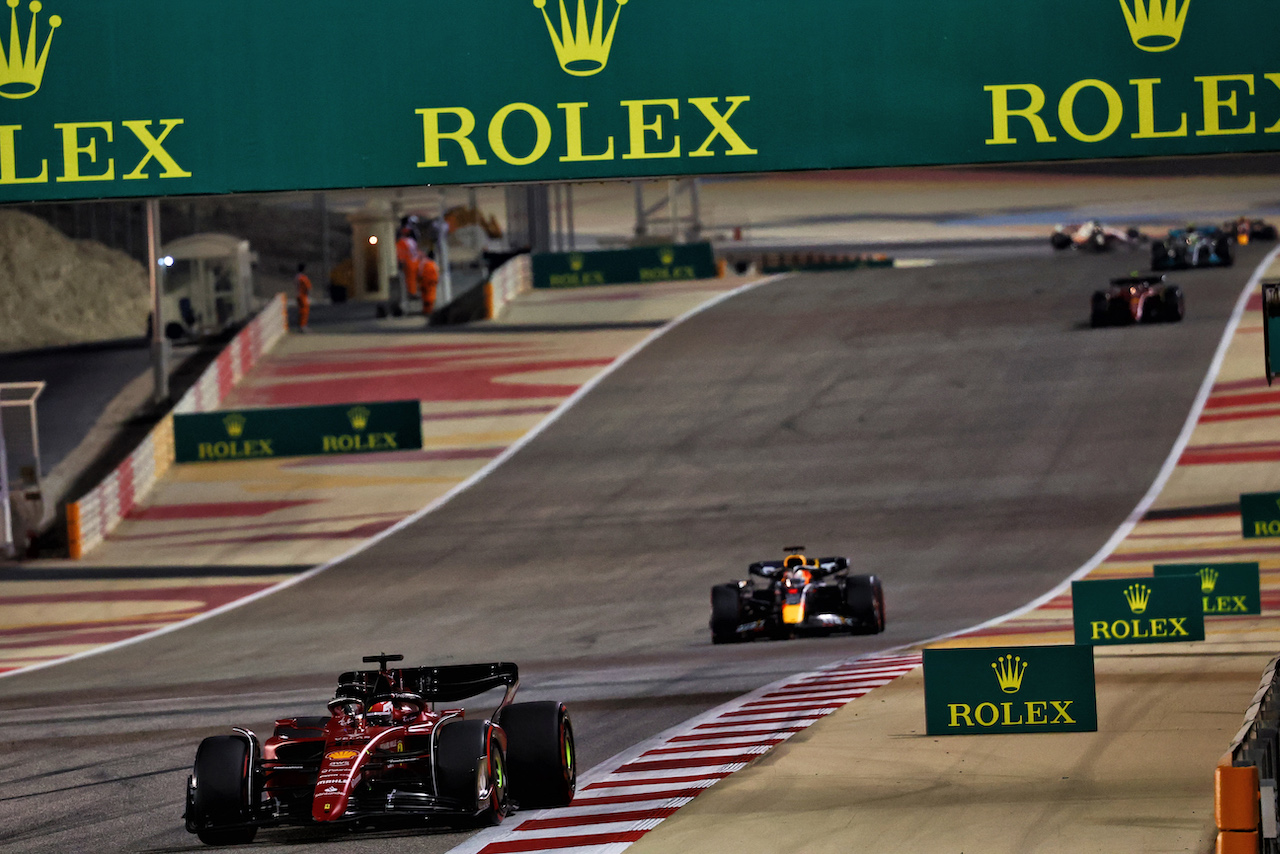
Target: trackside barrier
[99,511]
[508,282]
[1244,783]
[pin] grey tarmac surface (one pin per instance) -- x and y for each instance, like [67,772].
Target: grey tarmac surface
[956,429]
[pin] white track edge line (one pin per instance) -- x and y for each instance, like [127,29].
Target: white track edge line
[1157,486]
[488,469]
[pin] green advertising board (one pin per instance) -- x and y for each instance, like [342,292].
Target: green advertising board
[153,97]
[298,431]
[624,266]
[1137,610]
[1003,690]
[1226,589]
[1260,514]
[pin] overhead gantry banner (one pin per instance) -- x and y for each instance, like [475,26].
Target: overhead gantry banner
[153,97]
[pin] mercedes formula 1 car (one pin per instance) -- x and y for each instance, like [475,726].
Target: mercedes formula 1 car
[1192,247]
[1095,236]
[394,745]
[797,595]
[1137,299]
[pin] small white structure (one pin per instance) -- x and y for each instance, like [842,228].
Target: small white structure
[213,274]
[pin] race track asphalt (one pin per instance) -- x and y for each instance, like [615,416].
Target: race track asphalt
[957,430]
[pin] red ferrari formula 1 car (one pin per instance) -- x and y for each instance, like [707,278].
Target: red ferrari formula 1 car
[387,750]
[801,595]
[1137,299]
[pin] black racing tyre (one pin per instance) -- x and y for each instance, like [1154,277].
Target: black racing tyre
[1099,311]
[1159,255]
[1223,250]
[864,598]
[541,754]
[1173,304]
[1059,240]
[463,748]
[1152,310]
[726,613]
[219,791]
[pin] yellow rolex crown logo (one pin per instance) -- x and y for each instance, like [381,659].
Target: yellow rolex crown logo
[583,48]
[359,417]
[21,73]
[577,261]
[667,255]
[1009,670]
[1155,25]
[1137,595]
[1208,579]
[235,425]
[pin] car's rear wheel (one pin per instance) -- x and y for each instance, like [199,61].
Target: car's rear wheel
[1223,250]
[726,613]
[1099,310]
[464,749]
[1173,304]
[542,757]
[864,597]
[219,791]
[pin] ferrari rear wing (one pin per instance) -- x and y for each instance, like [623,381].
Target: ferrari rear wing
[445,684]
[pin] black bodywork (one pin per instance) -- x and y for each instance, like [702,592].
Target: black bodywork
[1193,247]
[796,596]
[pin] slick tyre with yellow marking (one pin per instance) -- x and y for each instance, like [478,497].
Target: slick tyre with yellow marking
[541,755]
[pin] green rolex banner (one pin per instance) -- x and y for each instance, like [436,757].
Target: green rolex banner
[1002,690]
[1226,589]
[1260,514]
[1137,610]
[157,98]
[300,431]
[624,266]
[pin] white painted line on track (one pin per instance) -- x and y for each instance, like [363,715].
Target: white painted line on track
[1166,471]
[480,475]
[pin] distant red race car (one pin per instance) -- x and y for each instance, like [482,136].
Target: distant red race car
[386,751]
[1137,299]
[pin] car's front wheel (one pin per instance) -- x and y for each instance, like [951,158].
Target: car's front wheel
[218,791]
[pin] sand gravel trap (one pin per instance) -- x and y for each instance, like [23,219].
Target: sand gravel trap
[56,291]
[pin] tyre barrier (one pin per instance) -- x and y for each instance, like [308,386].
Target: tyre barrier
[99,511]
[1244,783]
[812,262]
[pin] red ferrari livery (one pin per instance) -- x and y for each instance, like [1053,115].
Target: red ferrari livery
[386,750]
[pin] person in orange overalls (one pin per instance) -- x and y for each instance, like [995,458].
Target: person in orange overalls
[407,255]
[430,276]
[304,297]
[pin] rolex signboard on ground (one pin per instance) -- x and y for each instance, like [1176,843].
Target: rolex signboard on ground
[624,266]
[156,98]
[1001,690]
[1226,589]
[1138,610]
[298,431]
[1260,514]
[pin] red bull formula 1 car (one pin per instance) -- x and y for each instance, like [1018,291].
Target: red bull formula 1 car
[797,595]
[394,746]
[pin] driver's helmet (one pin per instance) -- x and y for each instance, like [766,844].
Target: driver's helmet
[799,577]
[381,713]
[793,560]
